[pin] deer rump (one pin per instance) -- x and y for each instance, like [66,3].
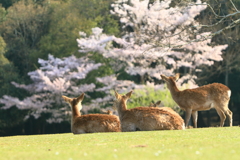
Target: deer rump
[150,118]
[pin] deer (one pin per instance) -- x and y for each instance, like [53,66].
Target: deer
[103,111]
[156,104]
[215,95]
[145,118]
[90,123]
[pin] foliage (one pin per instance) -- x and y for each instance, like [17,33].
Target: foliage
[201,143]
[2,13]
[148,95]
[67,19]
[7,3]
[25,23]
[63,29]
[11,122]
[34,29]
[98,12]
[3,60]
[11,118]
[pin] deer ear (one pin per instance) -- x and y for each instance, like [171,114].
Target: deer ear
[158,103]
[67,99]
[177,76]
[163,77]
[129,94]
[116,95]
[81,97]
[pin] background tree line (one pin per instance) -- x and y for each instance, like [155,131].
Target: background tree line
[32,29]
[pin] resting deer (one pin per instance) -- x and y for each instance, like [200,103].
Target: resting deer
[103,111]
[213,95]
[92,122]
[145,118]
[155,104]
[165,108]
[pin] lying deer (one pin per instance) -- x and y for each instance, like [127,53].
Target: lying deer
[92,122]
[145,118]
[213,95]
[155,104]
[103,111]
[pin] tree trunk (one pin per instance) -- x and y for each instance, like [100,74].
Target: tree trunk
[226,74]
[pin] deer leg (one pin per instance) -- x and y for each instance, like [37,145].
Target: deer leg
[195,117]
[222,116]
[187,116]
[229,115]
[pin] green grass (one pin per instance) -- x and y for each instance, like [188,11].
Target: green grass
[201,143]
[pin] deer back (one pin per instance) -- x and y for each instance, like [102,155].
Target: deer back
[96,123]
[151,118]
[204,97]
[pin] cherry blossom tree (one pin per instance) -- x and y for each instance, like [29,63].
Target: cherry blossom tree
[54,78]
[158,38]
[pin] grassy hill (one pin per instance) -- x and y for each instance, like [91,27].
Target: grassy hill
[201,143]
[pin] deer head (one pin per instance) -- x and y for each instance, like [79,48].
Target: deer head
[155,104]
[170,81]
[74,102]
[123,97]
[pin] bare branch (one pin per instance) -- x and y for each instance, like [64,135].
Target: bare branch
[234,6]
[233,24]
[221,20]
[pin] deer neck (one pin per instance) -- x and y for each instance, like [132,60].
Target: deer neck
[121,107]
[75,113]
[174,91]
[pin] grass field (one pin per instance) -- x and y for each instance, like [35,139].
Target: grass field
[202,143]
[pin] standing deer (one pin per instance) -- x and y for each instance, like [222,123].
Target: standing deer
[213,95]
[92,122]
[145,118]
